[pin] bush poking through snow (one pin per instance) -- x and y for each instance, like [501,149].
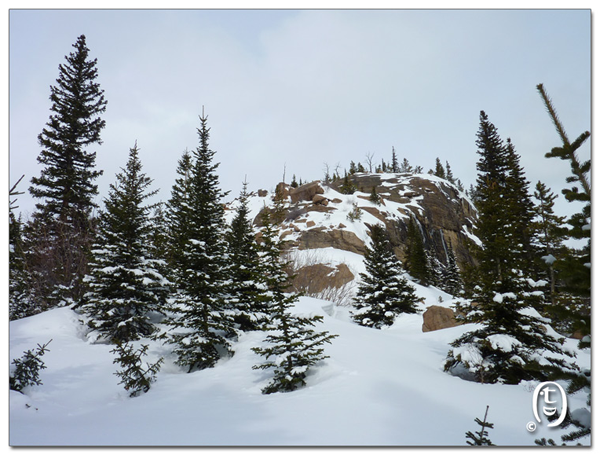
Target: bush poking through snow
[480,438]
[27,369]
[134,378]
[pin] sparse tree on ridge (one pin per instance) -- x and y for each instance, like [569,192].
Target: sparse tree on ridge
[439,169]
[395,166]
[449,174]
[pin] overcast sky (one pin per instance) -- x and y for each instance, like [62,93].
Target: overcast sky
[297,89]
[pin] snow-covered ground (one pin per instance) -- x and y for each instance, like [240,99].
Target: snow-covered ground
[378,388]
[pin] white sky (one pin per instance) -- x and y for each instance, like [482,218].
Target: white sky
[300,88]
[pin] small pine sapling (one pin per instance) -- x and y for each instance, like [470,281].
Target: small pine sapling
[374,197]
[480,438]
[355,214]
[294,347]
[27,369]
[134,378]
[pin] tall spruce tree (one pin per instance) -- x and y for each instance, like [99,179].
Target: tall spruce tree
[125,283]
[512,343]
[383,293]
[293,346]
[246,296]
[61,230]
[200,323]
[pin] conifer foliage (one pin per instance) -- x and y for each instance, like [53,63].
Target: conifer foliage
[293,346]
[26,371]
[383,293]
[61,231]
[125,283]
[200,325]
[480,438]
[246,296]
[512,343]
[417,260]
[135,378]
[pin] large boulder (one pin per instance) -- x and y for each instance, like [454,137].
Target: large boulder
[313,279]
[306,192]
[336,238]
[437,317]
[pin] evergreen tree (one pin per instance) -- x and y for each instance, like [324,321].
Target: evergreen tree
[575,267]
[352,168]
[549,234]
[20,301]
[519,209]
[135,379]
[199,323]
[374,197]
[360,168]
[294,183]
[451,281]
[405,167]
[348,187]
[294,346]
[178,214]
[417,262]
[61,231]
[418,170]
[246,299]
[439,169]
[480,438]
[125,285]
[449,174]
[279,206]
[512,343]
[384,166]
[395,166]
[383,292]
[26,370]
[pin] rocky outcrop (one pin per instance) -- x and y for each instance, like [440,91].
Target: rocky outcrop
[337,238]
[436,318]
[306,192]
[437,205]
[314,279]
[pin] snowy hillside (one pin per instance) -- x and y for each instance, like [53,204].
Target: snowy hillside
[379,387]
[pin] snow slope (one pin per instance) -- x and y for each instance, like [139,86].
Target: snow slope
[378,388]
